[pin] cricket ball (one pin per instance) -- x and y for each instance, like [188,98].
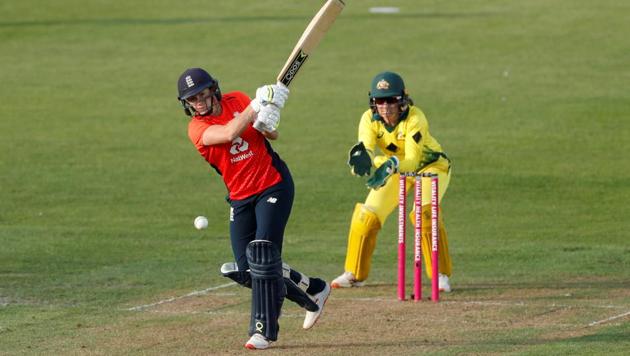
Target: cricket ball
[201,222]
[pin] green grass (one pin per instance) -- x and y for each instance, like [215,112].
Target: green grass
[99,184]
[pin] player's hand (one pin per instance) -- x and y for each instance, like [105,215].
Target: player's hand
[382,173]
[268,119]
[274,94]
[359,160]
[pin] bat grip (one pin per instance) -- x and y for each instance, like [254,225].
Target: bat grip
[258,125]
[279,83]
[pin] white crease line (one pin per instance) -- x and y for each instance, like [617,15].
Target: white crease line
[523,304]
[519,304]
[486,303]
[191,294]
[215,312]
[609,319]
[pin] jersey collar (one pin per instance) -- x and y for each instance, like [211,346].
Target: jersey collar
[403,115]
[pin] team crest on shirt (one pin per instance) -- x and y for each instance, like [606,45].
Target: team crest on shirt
[401,136]
[382,84]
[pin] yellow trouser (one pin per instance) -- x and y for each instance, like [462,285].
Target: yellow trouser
[444,258]
[368,218]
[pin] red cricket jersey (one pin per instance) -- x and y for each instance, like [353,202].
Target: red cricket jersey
[245,164]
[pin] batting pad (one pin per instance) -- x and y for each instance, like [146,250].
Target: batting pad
[268,288]
[230,270]
[297,284]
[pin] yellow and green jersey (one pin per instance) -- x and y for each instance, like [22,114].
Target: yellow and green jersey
[410,140]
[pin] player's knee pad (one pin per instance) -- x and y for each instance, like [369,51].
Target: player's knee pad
[230,270]
[446,265]
[268,287]
[361,241]
[297,284]
[426,218]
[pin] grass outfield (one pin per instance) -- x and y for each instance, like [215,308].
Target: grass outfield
[99,184]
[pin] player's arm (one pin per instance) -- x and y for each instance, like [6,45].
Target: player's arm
[393,164]
[367,134]
[264,108]
[217,134]
[271,135]
[414,140]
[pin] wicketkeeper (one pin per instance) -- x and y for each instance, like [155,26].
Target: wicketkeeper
[401,132]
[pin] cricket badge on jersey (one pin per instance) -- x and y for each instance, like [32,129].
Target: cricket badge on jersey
[238,147]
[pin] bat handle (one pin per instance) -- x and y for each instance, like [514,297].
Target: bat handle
[258,125]
[279,83]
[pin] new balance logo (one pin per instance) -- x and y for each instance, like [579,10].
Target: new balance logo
[272,200]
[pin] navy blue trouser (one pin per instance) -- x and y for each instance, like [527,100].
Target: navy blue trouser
[262,217]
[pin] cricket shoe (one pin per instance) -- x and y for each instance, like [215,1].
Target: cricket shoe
[346,280]
[320,299]
[444,284]
[257,342]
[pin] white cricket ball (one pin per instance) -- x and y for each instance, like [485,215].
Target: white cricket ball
[201,222]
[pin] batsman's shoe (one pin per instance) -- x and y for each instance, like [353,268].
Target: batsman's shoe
[257,342]
[320,299]
[444,284]
[346,280]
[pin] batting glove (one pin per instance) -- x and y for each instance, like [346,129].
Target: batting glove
[382,173]
[267,119]
[275,94]
[359,160]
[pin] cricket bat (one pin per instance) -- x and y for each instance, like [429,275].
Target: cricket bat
[309,40]
[311,37]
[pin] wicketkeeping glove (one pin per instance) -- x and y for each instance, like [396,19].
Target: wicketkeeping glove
[382,173]
[359,160]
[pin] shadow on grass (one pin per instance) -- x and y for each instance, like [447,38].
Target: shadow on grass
[574,284]
[603,284]
[614,336]
[365,344]
[606,336]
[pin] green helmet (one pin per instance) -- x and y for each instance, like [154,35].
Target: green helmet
[387,84]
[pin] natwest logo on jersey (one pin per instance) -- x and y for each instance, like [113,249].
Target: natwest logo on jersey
[238,147]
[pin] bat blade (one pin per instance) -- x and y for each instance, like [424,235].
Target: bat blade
[310,38]
[312,35]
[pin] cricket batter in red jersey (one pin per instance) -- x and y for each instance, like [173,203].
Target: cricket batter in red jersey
[261,195]
[401,132]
